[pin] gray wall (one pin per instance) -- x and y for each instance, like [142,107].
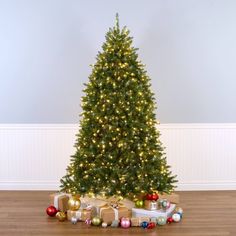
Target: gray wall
[46,46]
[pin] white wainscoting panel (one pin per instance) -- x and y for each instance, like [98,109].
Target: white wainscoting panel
[35,156]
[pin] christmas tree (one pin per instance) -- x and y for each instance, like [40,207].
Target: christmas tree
[118,151]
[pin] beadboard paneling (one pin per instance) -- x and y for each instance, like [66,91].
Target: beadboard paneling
[34,157]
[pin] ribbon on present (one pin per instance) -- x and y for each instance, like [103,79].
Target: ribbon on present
[114,205]
[56,199]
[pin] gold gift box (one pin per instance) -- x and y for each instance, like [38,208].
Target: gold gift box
[81,215]
[60,201]
[108,213]
[137,221]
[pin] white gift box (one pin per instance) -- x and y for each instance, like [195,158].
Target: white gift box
[137,212]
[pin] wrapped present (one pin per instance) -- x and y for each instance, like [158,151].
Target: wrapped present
[60,201]
[109,213]
[150,205]
[137,212]
[137,221]
[81,214]
[99,200]
[91,202]
[173,197]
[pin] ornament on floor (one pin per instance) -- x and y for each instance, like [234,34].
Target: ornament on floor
[151,225]
[144,224]
[96,221]
[169,220]
[74,203]
[179,210]
[115,223]
[153,219]
[88,221]
[104,224]
[165,204]
[125,222]
[161,220]
[73,220]
[51,211]
[61,216]
[139,204]
[176,217]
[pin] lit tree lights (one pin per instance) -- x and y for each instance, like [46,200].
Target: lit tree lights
[118,151]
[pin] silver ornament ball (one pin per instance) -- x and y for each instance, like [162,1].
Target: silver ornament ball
[73,220]
[104,224]
[176,217]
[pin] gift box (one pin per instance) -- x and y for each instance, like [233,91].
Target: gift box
[137,212]
[137,221]
[150,205]
[82,214]
[60,201]
[173,197]
[109,213]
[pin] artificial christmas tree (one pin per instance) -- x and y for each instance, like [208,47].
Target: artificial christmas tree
[118,151]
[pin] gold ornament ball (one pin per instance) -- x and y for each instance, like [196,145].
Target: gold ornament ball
[139,204]
[96,221]
[61,216]
[74,203]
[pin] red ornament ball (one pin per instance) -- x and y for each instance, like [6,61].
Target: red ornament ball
[169,220]
[148,196]
[51,211]
[155,196]
[151,225]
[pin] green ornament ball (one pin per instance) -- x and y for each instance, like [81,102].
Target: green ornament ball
[161,220]
[139,204]
[96,221]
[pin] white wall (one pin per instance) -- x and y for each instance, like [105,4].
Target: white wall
[46,47]
[36,156]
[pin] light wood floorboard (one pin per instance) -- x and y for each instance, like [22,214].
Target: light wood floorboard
[206,213]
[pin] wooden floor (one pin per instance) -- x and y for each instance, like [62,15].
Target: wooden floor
[211,213]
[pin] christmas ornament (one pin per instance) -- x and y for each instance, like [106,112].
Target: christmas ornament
[74,203]
[151,225]
[144,224]
[176,217]
[96,221]
[73,220]
[61,216]
[148,196]
[139,203]
[153,219]
[165,204]
[169,220]
[125,223]
[51,211]
[161,220]
[88,221]
[179,210]
[181,215]
[154,197]
[104,224]
[115,223]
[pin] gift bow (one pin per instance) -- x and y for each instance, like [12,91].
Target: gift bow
[111,205]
